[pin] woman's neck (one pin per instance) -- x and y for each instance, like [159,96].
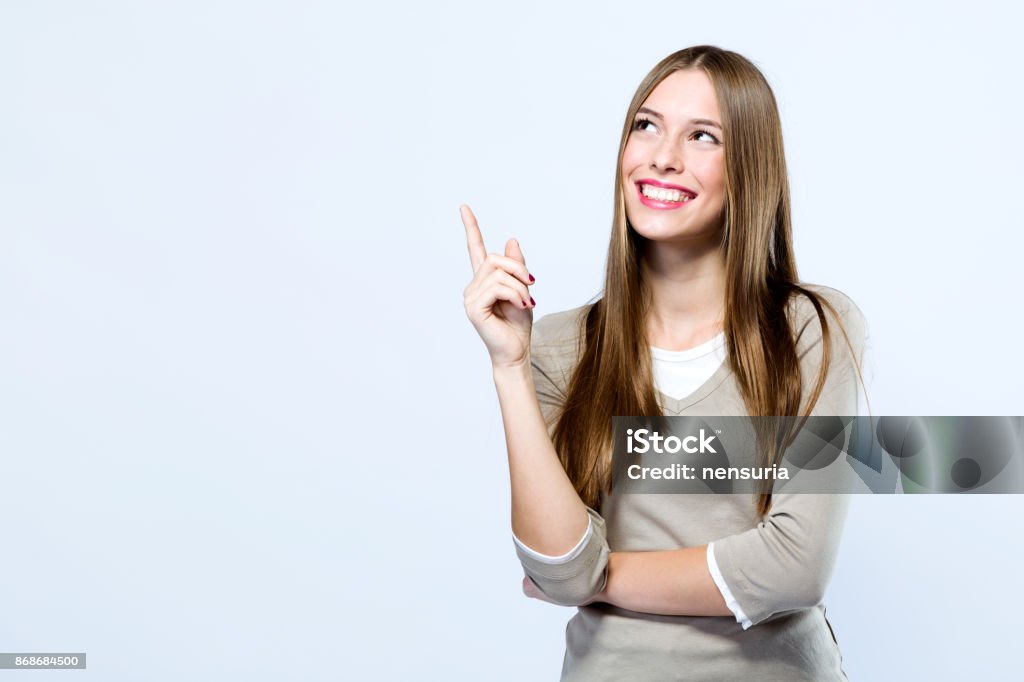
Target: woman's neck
[687,294]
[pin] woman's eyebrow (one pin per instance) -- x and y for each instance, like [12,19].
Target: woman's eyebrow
[697,121]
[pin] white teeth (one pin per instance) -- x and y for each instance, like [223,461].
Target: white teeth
[664,194]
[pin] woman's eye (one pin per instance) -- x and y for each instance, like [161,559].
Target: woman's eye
[704,132]
[640,123]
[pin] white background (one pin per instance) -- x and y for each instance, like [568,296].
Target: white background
[246,430]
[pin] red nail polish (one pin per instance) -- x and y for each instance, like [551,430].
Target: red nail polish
[532,278]
[533,302]
[523,302]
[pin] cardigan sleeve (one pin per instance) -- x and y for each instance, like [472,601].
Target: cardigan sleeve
[577,576]
[561,559]
[787,560]
[723,588]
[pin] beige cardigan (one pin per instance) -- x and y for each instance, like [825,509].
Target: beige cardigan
[777,569]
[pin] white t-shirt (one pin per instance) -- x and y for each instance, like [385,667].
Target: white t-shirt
[676,374]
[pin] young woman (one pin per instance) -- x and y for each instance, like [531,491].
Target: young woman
[701,314]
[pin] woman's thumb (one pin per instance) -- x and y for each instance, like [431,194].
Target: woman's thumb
[512,250]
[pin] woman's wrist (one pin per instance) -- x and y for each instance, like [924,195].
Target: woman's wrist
[514,371]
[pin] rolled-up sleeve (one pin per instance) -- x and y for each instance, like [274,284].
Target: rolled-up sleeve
[575,577]
[572,582]
[787,560]
[723,588]
[568,556]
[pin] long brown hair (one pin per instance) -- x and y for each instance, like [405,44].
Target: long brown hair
[613,376]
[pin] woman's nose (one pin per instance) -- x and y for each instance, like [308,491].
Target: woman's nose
[668,158]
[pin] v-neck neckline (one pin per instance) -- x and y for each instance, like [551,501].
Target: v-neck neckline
[676,406]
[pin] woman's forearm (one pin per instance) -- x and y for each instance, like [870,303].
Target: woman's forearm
[668,583]
[548,515]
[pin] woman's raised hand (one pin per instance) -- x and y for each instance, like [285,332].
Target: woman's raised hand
[497,300]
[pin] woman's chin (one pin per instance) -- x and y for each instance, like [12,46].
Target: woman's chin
[659,232]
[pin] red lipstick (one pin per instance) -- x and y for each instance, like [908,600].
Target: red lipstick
[664,205]
[666,185]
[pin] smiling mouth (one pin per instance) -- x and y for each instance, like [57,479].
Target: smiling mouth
[650,195]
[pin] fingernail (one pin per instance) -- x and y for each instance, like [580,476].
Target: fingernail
[524,302]
[532,278]
[532,302]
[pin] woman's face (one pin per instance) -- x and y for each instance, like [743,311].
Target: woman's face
[673,166]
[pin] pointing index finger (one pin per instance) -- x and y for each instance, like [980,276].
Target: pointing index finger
[474,240]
